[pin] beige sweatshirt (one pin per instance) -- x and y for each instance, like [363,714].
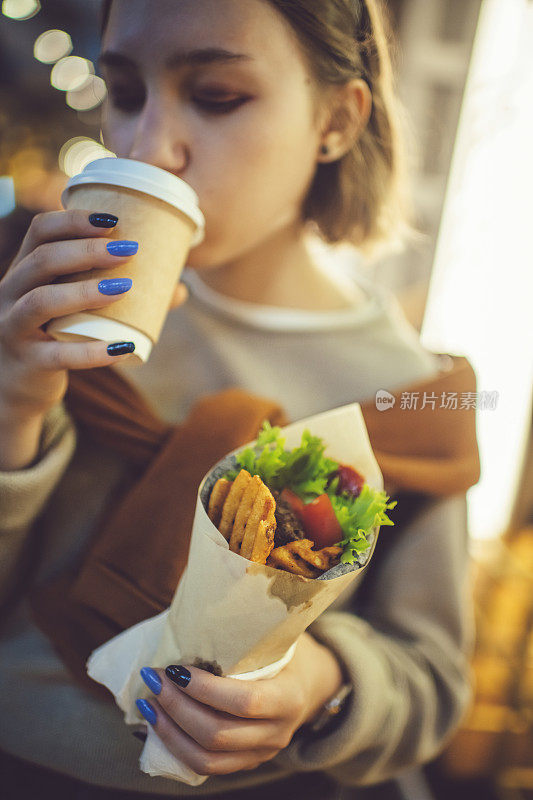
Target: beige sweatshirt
[406,650]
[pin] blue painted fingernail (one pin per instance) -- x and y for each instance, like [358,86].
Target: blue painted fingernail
[151,679]
[178,674]
[146,710]
[115,285]
[102,220]
[120,348]
[122,247]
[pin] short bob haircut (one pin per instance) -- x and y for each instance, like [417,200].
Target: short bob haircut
[357,198]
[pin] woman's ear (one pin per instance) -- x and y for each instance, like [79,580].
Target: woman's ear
[348,115]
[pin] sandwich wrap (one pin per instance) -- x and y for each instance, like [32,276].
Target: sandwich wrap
[235,617]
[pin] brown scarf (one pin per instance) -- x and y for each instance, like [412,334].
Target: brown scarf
[127,576]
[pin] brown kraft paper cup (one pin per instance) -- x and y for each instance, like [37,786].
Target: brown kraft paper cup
[164,234]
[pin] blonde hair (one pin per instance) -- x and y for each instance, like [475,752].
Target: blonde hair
[359,197]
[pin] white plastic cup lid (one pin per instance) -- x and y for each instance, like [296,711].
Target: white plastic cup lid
[143,178]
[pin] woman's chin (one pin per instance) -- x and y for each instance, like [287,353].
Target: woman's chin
[203,257]
[197,257]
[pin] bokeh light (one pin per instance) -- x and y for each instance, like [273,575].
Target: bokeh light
[52,45]
[80,151]
[91,94]
[21,9]
[38,182]
[70,73]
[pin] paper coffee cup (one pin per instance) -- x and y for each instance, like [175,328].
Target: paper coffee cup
[154,208]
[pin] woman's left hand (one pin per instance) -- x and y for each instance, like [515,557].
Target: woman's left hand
[220,725]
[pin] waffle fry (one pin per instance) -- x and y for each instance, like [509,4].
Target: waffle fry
[243,513]
[299,558]
[231,504]
[263,542]
[219,492]
[262,510]
[284,558]
[319,559]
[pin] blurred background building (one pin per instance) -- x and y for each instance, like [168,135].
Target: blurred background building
[464,70]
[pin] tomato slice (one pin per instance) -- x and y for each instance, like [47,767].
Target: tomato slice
[297,505]
[320,522]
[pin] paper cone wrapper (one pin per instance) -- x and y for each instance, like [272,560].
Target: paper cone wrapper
[230,615]
[164,234]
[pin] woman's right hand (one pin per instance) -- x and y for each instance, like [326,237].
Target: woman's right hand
[33,372]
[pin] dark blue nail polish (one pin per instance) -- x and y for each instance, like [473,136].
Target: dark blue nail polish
[141,735]
[122,247]
[178,674]
[146,710]
[115,285]
[120,348]
[151,679]
[102,220]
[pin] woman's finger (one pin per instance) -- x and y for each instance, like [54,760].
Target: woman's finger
[51,260]
[199,759]
[215,730]
[49,302]
[76,355]
[53,226]
[248,699]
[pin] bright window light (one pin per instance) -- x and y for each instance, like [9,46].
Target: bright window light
[481,294]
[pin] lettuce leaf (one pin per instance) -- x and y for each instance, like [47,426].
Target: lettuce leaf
[357,517]
[304,469]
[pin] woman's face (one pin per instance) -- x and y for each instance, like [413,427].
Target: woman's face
[239,128]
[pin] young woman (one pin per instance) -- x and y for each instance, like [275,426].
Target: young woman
[281,116]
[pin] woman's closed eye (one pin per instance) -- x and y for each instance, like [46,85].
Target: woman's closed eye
[219,104]
[128,101]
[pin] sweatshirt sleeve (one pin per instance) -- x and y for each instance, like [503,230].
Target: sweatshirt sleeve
[24,492]
[406,656]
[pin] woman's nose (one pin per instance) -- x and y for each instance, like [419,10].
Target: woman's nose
[160,139]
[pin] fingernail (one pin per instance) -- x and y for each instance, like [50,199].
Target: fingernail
[102,220]
[120,348]
[139,735]
[178,674]
[151,679]
[115,285]
[146,710]
[122,247]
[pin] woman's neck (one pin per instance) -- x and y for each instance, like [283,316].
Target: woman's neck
[279,272]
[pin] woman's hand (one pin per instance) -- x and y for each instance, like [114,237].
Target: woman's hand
[33,366]
[221,725]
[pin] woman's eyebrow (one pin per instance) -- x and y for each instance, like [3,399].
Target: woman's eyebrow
[185,58]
